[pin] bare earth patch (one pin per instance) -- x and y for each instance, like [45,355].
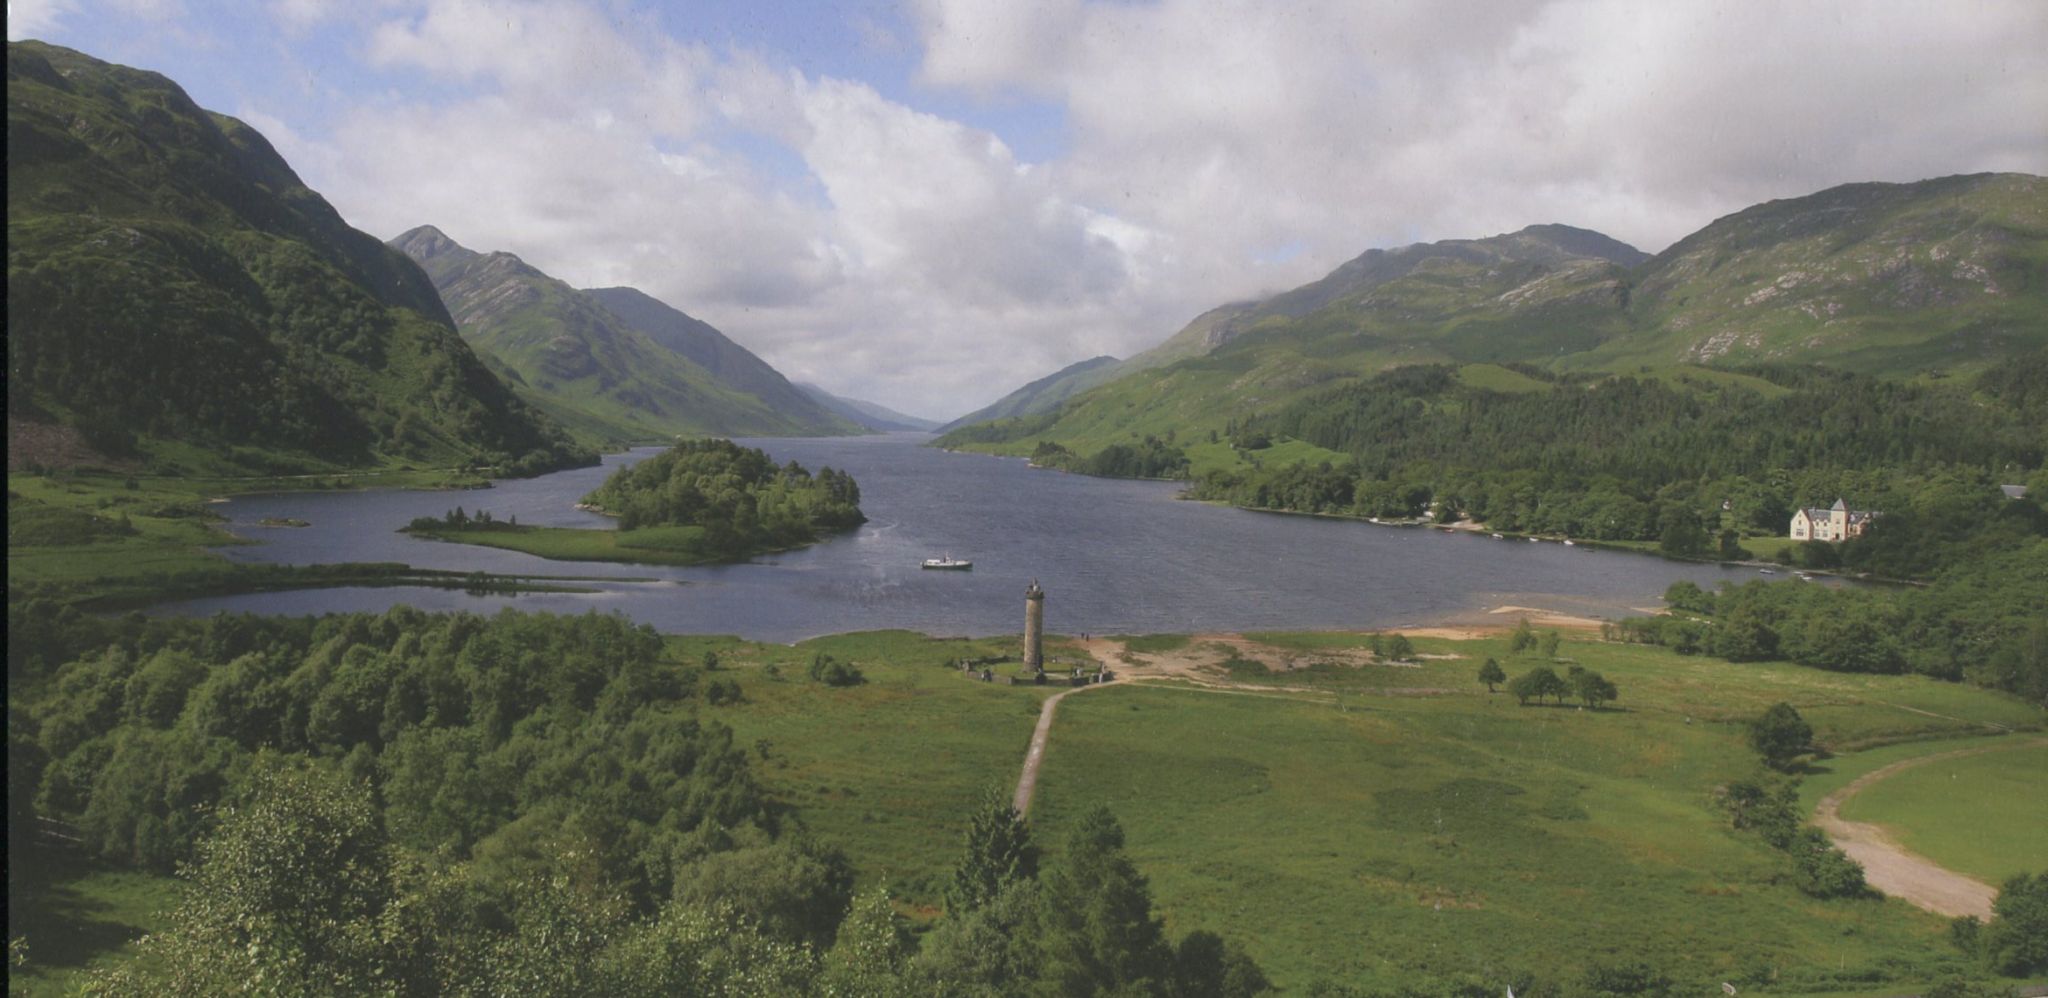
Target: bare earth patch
[1894,869]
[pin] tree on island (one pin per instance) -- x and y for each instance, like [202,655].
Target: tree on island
[1490,673]
[1780,736]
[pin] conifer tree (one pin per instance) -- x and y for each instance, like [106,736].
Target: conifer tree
[998,853]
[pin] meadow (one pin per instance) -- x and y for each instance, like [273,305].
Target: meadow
[1382,825]
[647,546]
[1968,812]
[1355,820]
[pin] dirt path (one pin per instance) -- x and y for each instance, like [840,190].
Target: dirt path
[1027,781]
[1896,870]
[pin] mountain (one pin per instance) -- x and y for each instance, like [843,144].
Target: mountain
[1888,279]
[176,295]
[1524,296]
[733,365]
[879,418]
[1923,279]
[1046,393]
[599,373]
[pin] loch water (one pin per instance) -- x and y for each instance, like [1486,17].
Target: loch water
[1115,557]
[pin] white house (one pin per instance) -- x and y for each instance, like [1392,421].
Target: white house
[1836,523]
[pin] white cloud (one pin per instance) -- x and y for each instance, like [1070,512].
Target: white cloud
[1351,124]
[35,18]
[891,253]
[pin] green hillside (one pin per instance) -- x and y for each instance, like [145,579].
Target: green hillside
[1891,279]
[1046,393]
[599,373]
[733,365]
[177,298]
[1937,278]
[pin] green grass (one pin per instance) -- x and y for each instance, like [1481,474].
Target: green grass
[1985,815]
[888,770]
[577,544]
[77,917]
[1494,377]
[1393,825]
[645,546]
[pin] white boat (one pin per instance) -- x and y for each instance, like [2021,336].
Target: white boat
[1533,540]
[948,562]
[1499,537]
[1766,571]
[1567,542]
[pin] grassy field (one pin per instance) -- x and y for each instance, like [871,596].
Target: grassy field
[1985,815]
[76,916]
[1347,819]
[659,546]
[110,541]
[1377,824]
[890,769]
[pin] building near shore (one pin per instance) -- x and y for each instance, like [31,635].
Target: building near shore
[1835,523]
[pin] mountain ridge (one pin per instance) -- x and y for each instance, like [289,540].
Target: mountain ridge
[571,354]
[872,415]
[253,328]
[1908,280]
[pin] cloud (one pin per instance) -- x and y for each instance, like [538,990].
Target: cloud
[1347,125]
[35,18]
[860,239]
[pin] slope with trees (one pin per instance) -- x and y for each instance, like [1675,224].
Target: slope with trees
[179,298]
[613,364]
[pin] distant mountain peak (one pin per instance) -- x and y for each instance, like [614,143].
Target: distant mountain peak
[1585,242]
[426,242]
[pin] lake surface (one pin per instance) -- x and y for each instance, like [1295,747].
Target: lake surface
[1113,556]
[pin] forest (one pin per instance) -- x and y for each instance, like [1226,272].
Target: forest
[407,803]
[1980,621]
[742,499]
[1628,458]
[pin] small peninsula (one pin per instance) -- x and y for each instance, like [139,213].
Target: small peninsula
[701,501]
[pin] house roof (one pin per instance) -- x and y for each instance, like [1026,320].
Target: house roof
[2014,491]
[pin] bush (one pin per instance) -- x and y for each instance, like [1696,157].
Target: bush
[832,672]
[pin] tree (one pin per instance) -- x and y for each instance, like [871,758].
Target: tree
[1095,925]
[1205,966]
[869,956]
[1688,596]
[1780,736]
[1538,682]
[1822,870]
[1593,688]
[998,853]
[1682,536]
[2016,940]
[1523,639]
[1550,641]
[286,892]
[1399,648]
[1490,673]
[794,890]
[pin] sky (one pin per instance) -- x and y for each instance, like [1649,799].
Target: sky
[928,203]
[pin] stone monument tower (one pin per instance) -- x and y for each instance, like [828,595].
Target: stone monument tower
[1034,627]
